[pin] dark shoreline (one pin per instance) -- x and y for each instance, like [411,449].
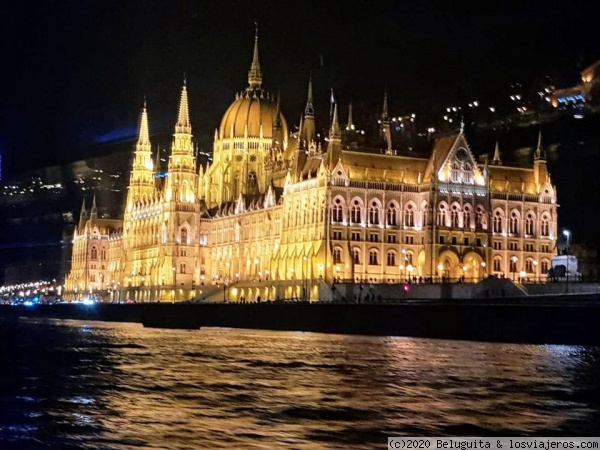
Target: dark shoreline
[560,320]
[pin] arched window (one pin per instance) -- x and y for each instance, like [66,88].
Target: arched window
[392,215]
[497,265]
[545,226]
[479,217]
[355,212]
[374,214]
[498,222]
[391,259]
[513,225]
[529,265]
[545,266]
[182,268]
[513,264]
[252,184]
[529,224]
[103,254]
[184,235]
[183,193]
[408,258]
[373,258]
[356,256]
[467,216]
[455,172]
[441,216]
[454,216]
[94,253]
[337,256]
[424,209]
[409,216]
[468,174]
[337,210]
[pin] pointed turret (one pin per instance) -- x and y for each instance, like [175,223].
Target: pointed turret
[384,112]
[497,161]
[255,74]
[183,125]
[182,172]
[141,181]
[309,108]
[144,134]
[309,132]
[350,125]
[540,170]
[301,132]
[386,130]
[94,210]
[82,216]
[539,150]
[277,118]
[334,131]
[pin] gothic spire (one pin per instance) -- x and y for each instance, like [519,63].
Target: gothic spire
[384,113]
[385,128]
[94,210]
[309,109]
[277,118]
[350,125]
[83,212]
[255,74]
[497,159]
[539,150]
[82,217]
[183,125]
[334,132]
[144,136]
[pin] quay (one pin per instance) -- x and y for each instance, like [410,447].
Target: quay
[556,319]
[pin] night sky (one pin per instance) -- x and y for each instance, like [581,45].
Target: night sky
[75,72]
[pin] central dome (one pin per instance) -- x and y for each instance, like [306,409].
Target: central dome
[251,109]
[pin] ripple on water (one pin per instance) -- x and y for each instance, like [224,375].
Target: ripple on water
[119,386]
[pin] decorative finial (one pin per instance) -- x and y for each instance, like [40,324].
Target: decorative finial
[184,79]
[462,124]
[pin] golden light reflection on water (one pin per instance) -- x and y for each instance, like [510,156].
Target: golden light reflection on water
[125,386]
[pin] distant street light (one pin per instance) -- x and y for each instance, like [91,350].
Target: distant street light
[567,234]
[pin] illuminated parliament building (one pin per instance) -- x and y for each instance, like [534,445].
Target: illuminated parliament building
[278,213]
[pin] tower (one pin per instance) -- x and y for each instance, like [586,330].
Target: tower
[141,181]
[252,137]
[181,181]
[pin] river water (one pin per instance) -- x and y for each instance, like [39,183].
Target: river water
[95,385]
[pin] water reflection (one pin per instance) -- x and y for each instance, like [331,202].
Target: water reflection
[71,384]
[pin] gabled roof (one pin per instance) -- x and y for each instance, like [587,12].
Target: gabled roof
[439,154]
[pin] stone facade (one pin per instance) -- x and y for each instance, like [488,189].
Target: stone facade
[277,213]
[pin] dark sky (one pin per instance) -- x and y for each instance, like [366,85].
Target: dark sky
[75,72]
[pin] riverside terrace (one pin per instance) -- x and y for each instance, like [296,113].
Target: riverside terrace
[541,320]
